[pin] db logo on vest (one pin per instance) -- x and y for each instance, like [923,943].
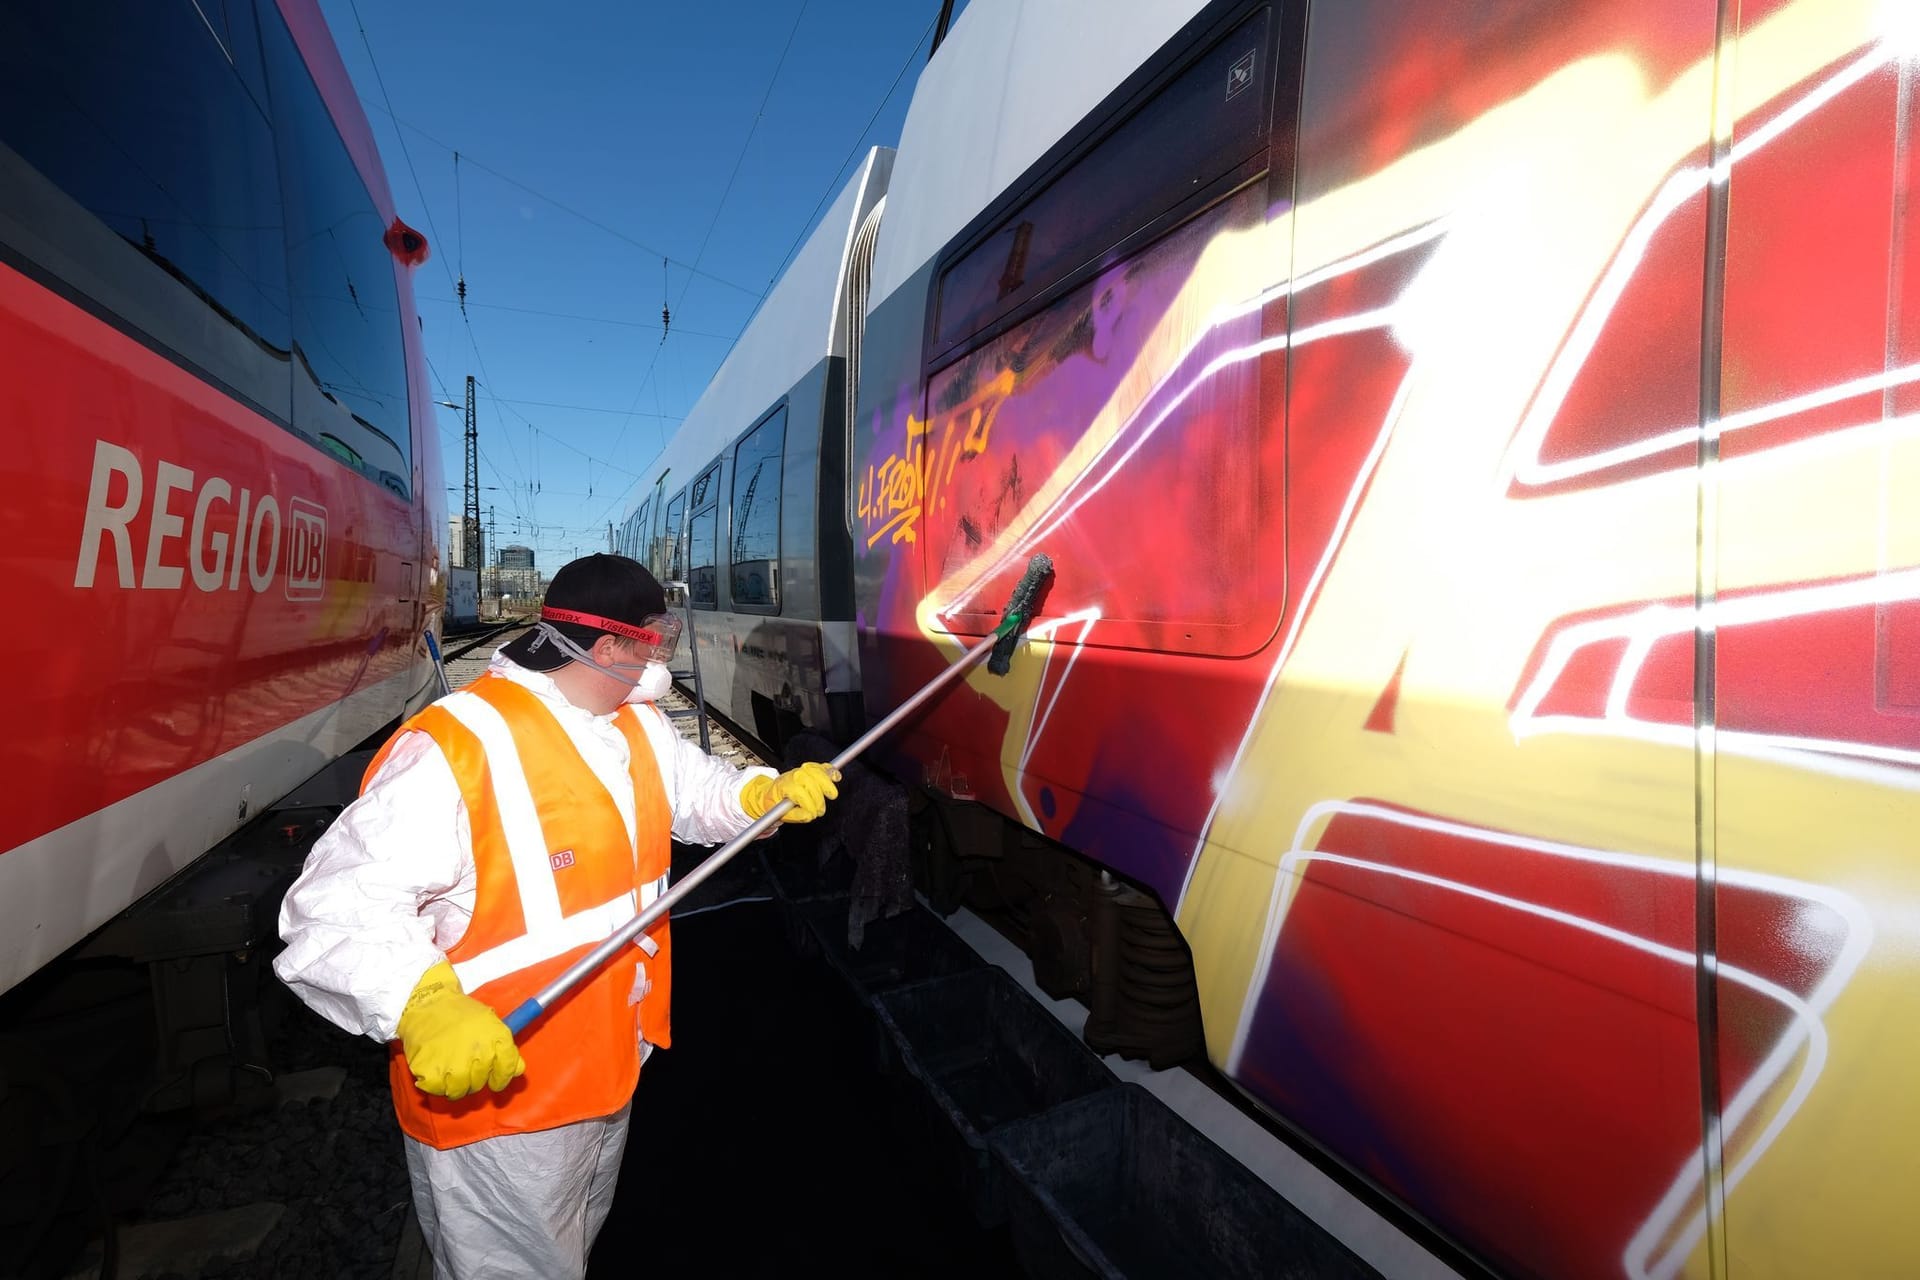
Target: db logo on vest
[564,858]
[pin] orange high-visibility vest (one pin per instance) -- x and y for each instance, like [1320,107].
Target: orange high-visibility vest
[556,874]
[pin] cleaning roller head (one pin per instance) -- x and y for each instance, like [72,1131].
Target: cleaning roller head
[1020,607]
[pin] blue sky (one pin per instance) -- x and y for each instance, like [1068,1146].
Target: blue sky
[634,115]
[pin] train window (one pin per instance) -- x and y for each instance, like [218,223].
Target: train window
[654,540]
[152,121]
[703,489]
[1195,130]
[670,538]
[636,534]
[1200,456]
[703,579]
[754,553]
[350,374]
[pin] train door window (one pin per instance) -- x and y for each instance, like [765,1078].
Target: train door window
[1143,394]
[754,544]
[1204,124]
[350,378]
[703,580]
[137,165]
[672,543]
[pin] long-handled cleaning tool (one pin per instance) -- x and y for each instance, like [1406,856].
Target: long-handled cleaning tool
[1001,641]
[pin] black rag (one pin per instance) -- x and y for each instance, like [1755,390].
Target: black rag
[869,823]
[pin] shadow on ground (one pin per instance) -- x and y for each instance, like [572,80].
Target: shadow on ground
[760,1142]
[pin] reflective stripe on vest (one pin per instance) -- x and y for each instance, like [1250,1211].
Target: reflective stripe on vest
[557,871]
[595,924]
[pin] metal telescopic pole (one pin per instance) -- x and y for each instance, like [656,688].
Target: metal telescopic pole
[587,964]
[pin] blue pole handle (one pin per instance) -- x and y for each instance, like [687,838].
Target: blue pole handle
[439,663]
[518,1020]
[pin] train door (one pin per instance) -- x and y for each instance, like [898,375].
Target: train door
[706,592]
[1105,382]
[776,655]
[1811,773]
[1444,918]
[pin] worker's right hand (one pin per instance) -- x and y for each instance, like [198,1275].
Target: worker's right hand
[454,1044]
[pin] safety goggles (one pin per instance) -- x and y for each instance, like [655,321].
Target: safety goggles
[657,637]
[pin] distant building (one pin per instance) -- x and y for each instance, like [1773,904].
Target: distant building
[457,544]
[516,557]
[521,584]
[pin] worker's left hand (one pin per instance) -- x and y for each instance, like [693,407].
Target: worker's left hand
[809,787]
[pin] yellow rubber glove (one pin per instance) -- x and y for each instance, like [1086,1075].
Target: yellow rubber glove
[809,787]
[454,1044]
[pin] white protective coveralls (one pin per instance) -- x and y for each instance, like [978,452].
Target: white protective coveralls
[388,890]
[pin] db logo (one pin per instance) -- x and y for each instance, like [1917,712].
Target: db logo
[564,858]
[306,550]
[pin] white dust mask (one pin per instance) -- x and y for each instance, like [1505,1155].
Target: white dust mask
[652,685]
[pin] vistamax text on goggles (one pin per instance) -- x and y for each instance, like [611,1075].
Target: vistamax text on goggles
[657,637]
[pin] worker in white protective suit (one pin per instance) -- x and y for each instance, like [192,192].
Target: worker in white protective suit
[498,836]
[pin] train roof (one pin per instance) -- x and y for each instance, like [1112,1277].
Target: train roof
[797,327]
[1011,79]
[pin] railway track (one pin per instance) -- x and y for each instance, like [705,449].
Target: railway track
[300,1172]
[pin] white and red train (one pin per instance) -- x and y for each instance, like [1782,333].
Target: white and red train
[224,515]
[1478,447]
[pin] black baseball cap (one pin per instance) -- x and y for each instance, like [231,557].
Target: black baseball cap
[599,587]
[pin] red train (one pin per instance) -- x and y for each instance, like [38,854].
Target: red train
[225,509]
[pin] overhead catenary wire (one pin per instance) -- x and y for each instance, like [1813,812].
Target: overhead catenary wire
[460,236]
[574,315]
[468,159]
[746,144]
[458,439]
[656,372]
[579,408]
[720,208]
[505,485]
[426,211]
[513,490]
[434,370]
[833,183]
[529,515]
